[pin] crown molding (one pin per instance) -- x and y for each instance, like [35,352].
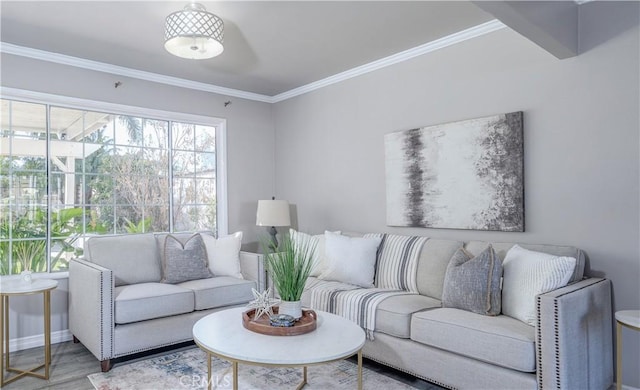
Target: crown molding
[449,40]
[63,59]
[461,36]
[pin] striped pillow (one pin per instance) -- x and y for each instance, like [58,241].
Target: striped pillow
[397,263]
[528,273]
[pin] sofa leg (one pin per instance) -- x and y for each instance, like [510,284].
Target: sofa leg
[105,365]
[75,340]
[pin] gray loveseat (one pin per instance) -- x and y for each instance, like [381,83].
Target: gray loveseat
[569,348]
[118,305]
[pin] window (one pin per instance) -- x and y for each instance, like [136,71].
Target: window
[67,173]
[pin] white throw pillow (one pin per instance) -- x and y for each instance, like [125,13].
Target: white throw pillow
[224,254]
[528,273]
[316,241]
[350,260]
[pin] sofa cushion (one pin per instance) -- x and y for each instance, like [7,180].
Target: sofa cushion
[500,340]
[397,261]
[473,283]
[223,254]
[432,265]
[184,261]
[219,291]
[133,258]
[350,260]
[145,301]
[393,315]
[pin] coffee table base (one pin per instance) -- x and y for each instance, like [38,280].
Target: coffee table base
[234,365]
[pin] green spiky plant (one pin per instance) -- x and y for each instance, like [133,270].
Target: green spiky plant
[289,266]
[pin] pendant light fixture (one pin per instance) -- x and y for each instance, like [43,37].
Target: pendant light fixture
[194,33]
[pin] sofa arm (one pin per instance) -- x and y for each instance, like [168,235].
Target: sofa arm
[91,307]
[574,336]
[252,268]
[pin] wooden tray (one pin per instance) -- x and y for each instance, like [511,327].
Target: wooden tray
[306,324]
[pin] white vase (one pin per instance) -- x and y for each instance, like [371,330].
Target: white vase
[292,308]
[26,276]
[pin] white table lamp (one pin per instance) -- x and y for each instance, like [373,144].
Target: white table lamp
[274,212]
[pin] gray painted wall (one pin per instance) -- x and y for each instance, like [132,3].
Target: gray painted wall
[250,146]
[581,130]
[323,151]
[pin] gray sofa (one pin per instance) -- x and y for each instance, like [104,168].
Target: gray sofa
[569,348]
[118,305]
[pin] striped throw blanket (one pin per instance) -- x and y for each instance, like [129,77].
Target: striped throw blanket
[352,302]
[396,268]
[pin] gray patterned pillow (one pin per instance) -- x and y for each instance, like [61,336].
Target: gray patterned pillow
[183,262]
[473,283]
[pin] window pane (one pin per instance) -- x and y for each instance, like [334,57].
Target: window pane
[62,189]
[206,217]
[205,138]
[156,134]
[98,189]
[184,191]
[205,164]
[158,218]
[206,191]
[183,136]
[29,254]
[128,220]
[24,121]
[95,158]
[100,219]
[128,130]
[158,162]
[28,188]
[185,218]
[183,163]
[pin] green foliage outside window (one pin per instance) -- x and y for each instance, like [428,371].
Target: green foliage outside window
[23,246]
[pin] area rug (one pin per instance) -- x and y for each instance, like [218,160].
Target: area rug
[188,370]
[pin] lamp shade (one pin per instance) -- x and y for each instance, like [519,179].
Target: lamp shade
[273,213]
[194,33]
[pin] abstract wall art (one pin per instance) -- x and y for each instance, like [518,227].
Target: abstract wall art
[460,175]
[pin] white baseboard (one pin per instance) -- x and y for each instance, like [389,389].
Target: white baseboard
[624,387]
[38,341]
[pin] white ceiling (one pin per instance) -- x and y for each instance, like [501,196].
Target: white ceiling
[270,47]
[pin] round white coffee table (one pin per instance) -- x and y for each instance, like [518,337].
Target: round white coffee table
[222,334]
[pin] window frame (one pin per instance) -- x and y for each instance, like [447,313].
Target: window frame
[49,100]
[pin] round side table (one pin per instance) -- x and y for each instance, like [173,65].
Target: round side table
[18,287]
[629,319]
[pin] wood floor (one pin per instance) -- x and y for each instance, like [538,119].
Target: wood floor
[71,363]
